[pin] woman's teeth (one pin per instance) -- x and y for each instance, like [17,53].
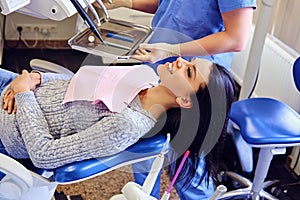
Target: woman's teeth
[170,68]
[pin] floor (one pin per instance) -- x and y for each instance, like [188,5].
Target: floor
[103,187]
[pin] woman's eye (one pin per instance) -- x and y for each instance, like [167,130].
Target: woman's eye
[189,72]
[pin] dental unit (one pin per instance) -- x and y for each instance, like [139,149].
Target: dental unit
[113,38]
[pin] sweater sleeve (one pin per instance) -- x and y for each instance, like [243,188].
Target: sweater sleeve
[48,77]
[108,136]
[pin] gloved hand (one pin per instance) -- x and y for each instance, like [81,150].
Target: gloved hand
[156,52]
[115,4]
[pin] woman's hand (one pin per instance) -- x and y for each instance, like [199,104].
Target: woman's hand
[24,82]
[9,103]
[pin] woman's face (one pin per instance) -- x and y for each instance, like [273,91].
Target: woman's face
[183,77]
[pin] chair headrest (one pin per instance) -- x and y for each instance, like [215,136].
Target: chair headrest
[296,73]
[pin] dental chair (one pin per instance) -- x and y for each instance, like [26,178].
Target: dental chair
[271,126]
[23,181]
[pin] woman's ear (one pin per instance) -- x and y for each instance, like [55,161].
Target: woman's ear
[184,102]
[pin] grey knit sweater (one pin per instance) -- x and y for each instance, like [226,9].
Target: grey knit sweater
[52,134]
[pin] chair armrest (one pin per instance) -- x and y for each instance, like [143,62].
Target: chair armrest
[46,66]
[16,171]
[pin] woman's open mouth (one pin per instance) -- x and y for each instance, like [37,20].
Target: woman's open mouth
[170,68]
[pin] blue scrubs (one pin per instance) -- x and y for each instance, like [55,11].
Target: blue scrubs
[194,191]
[177,21]
[5,78]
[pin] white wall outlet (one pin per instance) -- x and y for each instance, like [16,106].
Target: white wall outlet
[39,28]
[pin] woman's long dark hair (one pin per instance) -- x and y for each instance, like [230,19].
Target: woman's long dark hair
[202,134]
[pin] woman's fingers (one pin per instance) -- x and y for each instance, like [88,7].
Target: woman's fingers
[15,107]
[9,103]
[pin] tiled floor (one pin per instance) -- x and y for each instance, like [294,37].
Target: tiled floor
[103,187]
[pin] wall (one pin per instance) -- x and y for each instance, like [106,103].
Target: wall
[65,28]
[287,26]
[277,56]
[275,75]
[285,22]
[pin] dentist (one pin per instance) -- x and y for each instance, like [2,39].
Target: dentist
[194,28]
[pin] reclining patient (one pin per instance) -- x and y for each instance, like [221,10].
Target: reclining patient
[46,118]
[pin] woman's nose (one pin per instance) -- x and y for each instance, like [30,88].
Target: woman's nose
[178,63]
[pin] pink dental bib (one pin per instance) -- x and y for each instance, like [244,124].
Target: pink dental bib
[115,86]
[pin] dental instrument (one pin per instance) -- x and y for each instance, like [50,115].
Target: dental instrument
[114,48]
[119,37]
[156,167]
[117,45]
[104,8]
[93,10]
[166,195]
[186,154]
[221,189]
[133,191]
[87,19]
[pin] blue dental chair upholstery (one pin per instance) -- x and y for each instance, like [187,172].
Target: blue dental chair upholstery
[144,149]
[271,126]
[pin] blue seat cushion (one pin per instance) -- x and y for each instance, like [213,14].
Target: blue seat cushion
[145,147]
[266,121]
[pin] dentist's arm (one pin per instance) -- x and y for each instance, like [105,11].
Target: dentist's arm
[233,39]
[149,6]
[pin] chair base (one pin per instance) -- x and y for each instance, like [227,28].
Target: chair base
[41,189]
[246,192]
